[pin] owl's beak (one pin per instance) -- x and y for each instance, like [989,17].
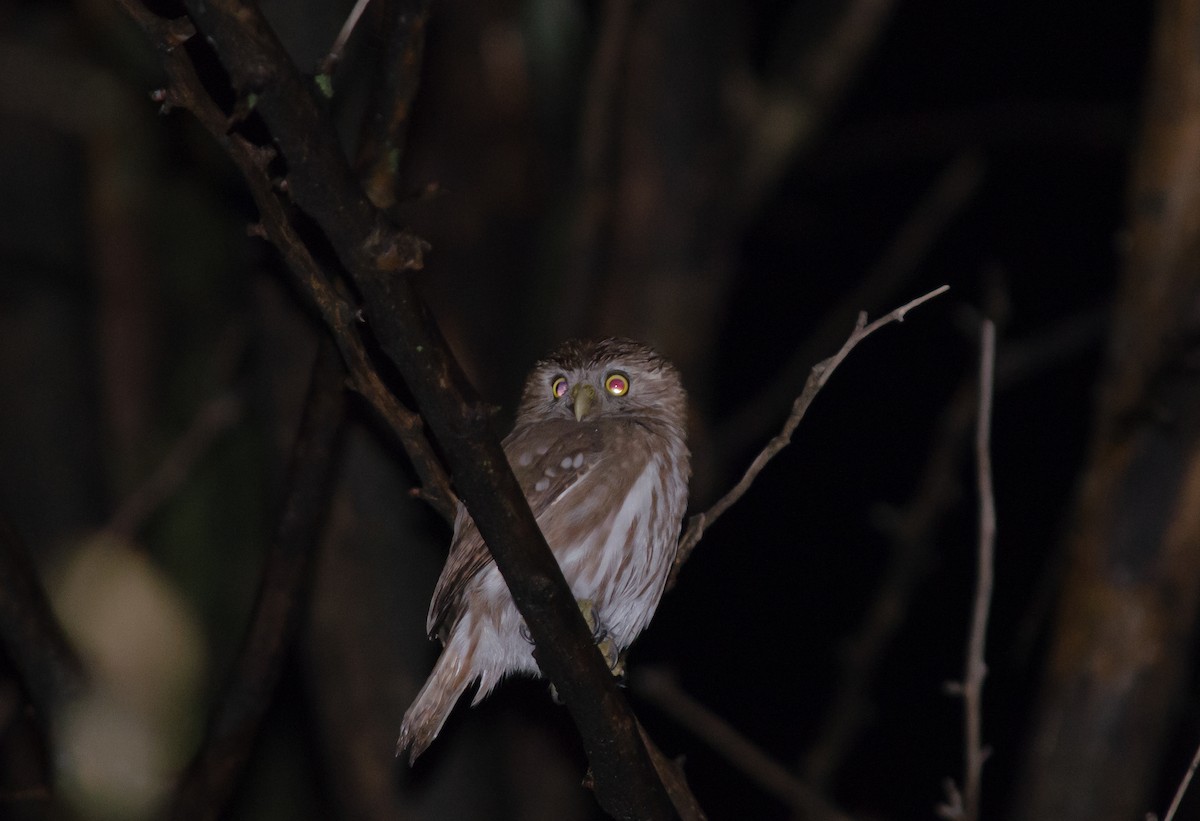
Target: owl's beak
[583,396]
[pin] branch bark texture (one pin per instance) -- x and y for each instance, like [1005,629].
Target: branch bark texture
[374,255]
[1127,625]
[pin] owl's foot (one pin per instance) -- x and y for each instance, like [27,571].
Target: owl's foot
[608,647]
[588,608]
[615,661]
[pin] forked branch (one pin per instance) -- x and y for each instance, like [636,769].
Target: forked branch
[817,378]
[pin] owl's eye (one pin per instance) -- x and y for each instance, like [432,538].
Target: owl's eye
[616,383]
[559,386]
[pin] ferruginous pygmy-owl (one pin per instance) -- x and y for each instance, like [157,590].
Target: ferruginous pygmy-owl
[599,450]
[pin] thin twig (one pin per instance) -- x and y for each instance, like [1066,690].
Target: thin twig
[660,688]
[1183,787]
[965,806]
[817,378]
[977,667]
[187,91]
[375,255]
[329,62]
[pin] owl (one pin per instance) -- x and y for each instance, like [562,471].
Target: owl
[599,449]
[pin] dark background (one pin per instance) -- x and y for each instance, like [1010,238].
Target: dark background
[133,300]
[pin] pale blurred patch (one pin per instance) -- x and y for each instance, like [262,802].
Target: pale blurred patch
[122,745]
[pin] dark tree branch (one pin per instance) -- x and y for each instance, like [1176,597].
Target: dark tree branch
[31,634]
[401,33]
[673,779]
[374,255]
[1122,652]
[186,91]
[208,783]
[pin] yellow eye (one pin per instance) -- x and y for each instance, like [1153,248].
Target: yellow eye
[558,387]
[616,383]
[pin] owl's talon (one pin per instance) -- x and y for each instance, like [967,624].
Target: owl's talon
[588,608]
[612,657]
[608,647]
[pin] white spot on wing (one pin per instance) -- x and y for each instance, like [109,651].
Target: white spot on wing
[567,462]
[542,484]
[525,459]
[577,461]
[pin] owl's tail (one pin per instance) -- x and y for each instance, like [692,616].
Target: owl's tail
[451,675]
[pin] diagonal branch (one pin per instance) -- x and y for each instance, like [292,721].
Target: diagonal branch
[817,378]
[660,688]
[187,91]
[30,632]
[1181,790]
[375,254]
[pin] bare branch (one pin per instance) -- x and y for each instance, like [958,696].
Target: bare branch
[965,806]
[671,773]
[375,255]
[817,378]
[395,78]
[659,687]
[330,60]
[186,91]
[1183,787]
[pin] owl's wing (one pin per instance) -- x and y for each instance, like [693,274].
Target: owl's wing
[548,458]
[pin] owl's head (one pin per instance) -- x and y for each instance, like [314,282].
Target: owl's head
[610,378]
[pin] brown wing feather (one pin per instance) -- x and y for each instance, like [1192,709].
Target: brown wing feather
[558,440]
